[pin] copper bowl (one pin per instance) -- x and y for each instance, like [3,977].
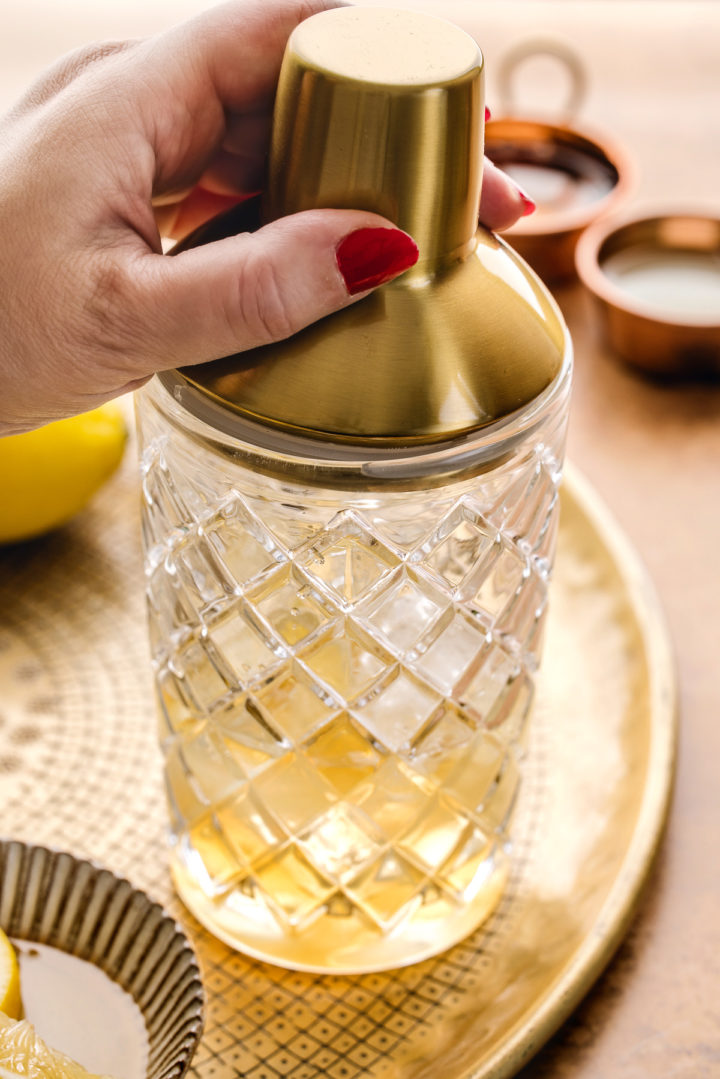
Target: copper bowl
[572,176]
[656,281]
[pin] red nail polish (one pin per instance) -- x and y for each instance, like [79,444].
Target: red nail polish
[488,115]
[529,207]
[370,257]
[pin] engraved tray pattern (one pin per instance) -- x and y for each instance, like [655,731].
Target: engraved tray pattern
[80,769]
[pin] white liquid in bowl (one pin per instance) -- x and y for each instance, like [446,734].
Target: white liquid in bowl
[77,1010]
[679,285]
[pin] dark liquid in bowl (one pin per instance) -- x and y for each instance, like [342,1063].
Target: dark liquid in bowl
[555,176]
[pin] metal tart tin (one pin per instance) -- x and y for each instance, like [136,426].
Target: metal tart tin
[59,909]
[656,280]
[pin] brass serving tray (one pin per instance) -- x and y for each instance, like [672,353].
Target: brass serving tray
[79,769]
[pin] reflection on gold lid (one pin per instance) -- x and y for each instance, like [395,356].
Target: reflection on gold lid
[382,110]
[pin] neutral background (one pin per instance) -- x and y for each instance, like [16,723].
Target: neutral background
[651,64]
[652,450]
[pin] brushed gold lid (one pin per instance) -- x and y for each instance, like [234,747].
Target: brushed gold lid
[382,110]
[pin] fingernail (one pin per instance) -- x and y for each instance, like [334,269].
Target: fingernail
[529,207]
[370,257]
[488,114]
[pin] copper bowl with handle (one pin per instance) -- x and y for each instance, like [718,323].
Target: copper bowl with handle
[573,174]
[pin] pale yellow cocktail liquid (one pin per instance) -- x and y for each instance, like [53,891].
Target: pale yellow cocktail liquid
[342,706]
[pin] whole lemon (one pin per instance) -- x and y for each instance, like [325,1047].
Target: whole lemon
[47,475]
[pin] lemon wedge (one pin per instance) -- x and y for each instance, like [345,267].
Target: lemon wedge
[48,475]
[22,1053]
[9,979]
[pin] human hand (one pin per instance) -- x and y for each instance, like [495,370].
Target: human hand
[120,141]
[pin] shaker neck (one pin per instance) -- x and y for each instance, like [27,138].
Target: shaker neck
[356,129]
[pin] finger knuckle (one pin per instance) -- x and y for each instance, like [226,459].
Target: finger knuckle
[88,55]
[66,70]
[264,308]
[111,317]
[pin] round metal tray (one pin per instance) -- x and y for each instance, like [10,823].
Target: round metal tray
[79,769]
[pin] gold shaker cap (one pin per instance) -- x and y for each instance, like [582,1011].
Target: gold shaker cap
[382,110]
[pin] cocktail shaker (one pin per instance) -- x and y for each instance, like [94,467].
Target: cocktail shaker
[349,537]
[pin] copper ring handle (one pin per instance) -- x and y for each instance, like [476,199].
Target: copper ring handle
[543,47]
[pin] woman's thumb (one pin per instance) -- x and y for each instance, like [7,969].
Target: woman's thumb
[248,290]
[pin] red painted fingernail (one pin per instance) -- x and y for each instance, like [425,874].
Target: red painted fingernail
[529,207]
[370,257]
[488,114]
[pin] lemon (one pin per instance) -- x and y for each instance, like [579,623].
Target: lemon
[22,1053]
[47,475]
[9,979]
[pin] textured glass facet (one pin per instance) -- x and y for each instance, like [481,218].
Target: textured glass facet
[343,682]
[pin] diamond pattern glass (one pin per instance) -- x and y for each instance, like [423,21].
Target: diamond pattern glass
[346,662]
[498,589]
[170,613]
[212,861]
[247,650]
[242,546]
[202,576]
[404,611]
[399,708]
[341,842]
[168,515]
[476,773]
[391,798]
[387,888]
[439,749]
[293,886]
[295,703]
[342,755]
[248,829]
[488,681]
[203,673]
[291,606]
[344,679]
[434,835]
[472,864]
[187,802]
[212,768]
[176,706]
[247,735]
[348,559]
[295,795]
[458,547]
[448,651]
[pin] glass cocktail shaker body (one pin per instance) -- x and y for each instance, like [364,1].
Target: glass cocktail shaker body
[346,616]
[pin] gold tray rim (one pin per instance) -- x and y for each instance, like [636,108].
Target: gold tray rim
[613,920]
[599,539]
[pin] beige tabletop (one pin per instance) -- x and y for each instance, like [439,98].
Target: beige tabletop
[652,451]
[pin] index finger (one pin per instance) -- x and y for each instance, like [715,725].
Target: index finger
[238,47]
[211,74]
